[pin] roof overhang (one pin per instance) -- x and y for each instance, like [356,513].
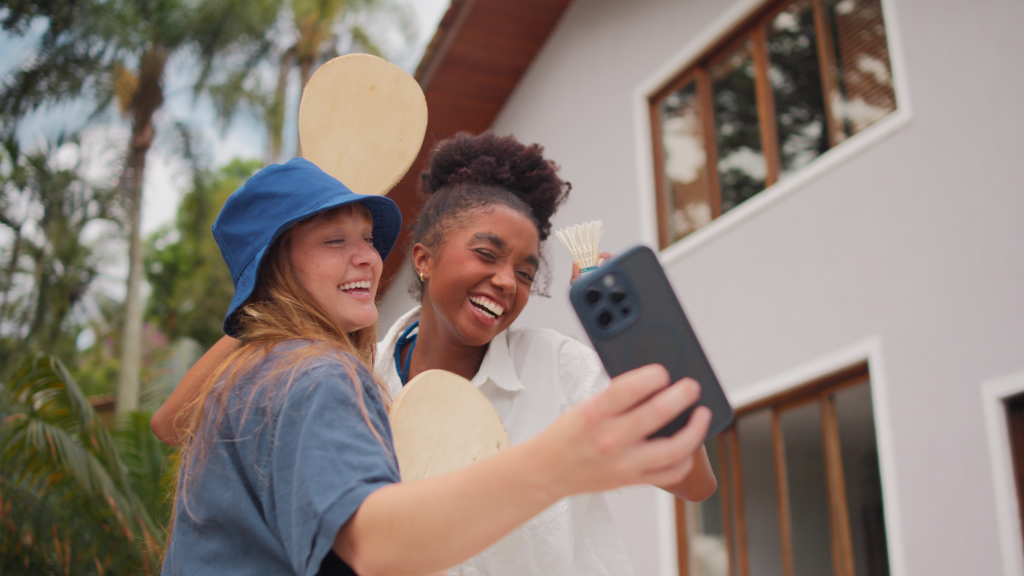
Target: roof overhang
[479,53]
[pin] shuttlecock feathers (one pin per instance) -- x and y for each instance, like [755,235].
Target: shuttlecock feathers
[582,241]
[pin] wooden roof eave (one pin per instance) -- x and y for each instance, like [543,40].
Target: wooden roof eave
[472,65]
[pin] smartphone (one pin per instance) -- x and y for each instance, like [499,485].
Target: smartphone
[633,319]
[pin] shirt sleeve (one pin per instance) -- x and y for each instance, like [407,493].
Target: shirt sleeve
[326,459]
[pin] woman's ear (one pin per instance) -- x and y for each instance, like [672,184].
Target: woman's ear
[421,260]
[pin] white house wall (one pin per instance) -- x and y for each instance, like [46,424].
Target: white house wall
[918,241]
[914,245]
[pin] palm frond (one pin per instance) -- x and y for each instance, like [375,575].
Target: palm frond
[67,496]
[148,461]
[56,73]
[232,30]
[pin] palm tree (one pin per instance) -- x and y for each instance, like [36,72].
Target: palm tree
[117,51]
[74,498]
[320,26]
[50,265]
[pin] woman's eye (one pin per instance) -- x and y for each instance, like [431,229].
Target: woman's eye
[486,254]
[369,239]
[526,276]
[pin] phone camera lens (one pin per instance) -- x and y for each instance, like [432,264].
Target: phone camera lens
[593,296]
[604,319]
[618,295]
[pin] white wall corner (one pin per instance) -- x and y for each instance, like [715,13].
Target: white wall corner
[994,394]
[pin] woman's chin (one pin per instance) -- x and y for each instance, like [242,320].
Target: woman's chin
[354,323]
[478,329]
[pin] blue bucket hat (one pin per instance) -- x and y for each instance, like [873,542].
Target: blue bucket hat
[269,203]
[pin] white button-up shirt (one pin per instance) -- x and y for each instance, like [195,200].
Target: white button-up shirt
[531,376]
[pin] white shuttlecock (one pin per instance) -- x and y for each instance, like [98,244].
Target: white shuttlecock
[582,240]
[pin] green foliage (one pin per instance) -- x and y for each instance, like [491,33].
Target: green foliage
[148,460]
[51,260]
[106,51]
[74,498]
[191,284]
[100,49]
[95,367]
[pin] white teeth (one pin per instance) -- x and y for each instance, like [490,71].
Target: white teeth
[491,306]
[352,285]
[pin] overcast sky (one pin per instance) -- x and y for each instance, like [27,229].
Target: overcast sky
[166,178]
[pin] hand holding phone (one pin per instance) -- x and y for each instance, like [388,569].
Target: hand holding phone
[633,318]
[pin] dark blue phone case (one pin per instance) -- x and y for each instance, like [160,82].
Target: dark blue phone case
[646,325]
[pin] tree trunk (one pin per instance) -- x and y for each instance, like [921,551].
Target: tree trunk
[147,100]
[131,333]
[275,116]
[305,67]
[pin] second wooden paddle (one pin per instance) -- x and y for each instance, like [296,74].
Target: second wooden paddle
[441,423]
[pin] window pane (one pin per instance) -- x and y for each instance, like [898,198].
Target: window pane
[709,554]
[760,496]
[862,56]
[796,85]
[687,187]
[863,483]
[1015,422]
[741,164]
[732,449]
[808,490]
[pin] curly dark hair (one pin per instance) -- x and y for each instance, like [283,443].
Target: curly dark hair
[467,172]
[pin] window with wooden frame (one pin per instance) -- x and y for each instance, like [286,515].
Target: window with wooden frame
[796,79]
[799,489]
[1015,420]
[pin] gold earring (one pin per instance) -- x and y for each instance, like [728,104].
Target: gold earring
[421,276]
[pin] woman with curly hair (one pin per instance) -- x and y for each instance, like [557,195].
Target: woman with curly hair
[476,258]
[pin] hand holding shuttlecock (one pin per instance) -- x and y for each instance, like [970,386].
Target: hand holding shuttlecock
[582,241]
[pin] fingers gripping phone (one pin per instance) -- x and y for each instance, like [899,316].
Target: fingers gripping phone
[633,319]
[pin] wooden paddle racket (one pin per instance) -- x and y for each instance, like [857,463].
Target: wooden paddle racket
[441,423]
[362,120]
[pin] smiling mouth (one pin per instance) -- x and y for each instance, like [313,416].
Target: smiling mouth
[490,308]
[359,285]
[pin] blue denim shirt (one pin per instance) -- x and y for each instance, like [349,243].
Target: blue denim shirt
[284,473]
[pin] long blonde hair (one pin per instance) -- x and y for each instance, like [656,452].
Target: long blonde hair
[279,310]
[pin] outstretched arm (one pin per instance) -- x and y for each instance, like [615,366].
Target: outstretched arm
[164,422]
[418,527]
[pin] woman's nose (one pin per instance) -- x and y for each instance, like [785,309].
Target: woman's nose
[365,255]
[505,280]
